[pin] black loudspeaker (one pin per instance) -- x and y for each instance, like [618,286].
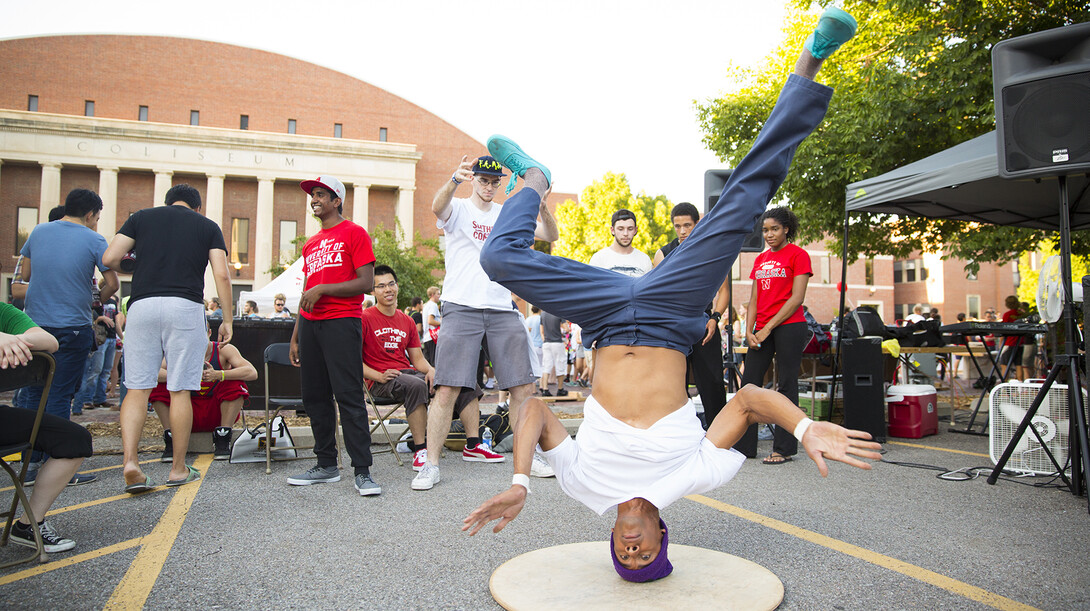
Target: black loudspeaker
[714,181]
[1041,84]
[864,388]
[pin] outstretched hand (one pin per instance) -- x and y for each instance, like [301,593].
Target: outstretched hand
[505,506]
[825,440]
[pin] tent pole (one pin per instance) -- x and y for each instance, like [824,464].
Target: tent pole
[840,322]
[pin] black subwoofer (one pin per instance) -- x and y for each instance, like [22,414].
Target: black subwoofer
[864,388]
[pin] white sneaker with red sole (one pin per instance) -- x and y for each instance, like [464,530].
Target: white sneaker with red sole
[481,453]
[420,458]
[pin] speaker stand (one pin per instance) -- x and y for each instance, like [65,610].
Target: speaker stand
[1069,363]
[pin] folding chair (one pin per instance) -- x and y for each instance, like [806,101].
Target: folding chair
[277,355]
[378,404]
[39,371]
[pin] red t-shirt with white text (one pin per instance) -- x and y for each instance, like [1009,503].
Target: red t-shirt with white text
[332,256]
[386,339]
[773,278]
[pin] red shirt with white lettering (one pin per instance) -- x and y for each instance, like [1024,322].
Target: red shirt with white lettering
[386,340]
[773,278]
[332,256]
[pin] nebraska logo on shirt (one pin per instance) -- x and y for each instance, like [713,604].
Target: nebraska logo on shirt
[768,271]
[329,252]
[481,232]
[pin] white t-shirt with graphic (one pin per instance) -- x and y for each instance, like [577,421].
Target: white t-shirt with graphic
[430,309]
[466,284]
[635,263]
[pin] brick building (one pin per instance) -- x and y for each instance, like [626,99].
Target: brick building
[130,116]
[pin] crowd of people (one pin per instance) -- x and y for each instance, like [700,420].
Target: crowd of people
[631,324]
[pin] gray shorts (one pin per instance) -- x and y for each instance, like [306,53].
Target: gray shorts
[459,347]
[168,328]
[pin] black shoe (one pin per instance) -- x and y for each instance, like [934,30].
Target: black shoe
[82,478]
[546,393]
[562,392]
[221,438]
[168,449]
[23,534]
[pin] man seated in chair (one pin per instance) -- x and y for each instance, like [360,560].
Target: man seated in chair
[216,405]
[641,446]
[394,365]
[66,442]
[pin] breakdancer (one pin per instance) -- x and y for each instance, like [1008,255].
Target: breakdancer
[641,445]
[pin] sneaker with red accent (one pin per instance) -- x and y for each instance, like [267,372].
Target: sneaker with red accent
[481,453]
[420,458]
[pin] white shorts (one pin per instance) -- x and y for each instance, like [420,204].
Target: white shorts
[554,358]
[613,462]
[165,327]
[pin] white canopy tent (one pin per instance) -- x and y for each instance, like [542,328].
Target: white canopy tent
[290,283]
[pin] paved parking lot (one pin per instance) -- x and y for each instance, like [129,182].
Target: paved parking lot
[895,537]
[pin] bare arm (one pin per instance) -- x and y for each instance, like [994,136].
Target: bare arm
[26,269]
[719,304]
[218,258]
[237,367]
[822,440]
[798,295]
[416,357]
[15,349]
[364,282]
[109,284]
[751,318]
[537,424]
[658,258]
[440,205]
[293,347]
[119,246]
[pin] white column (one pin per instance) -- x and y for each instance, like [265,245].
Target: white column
[107,190]
[310,223]
[263,249]
[405,214]
[361,195]
[162,185]
[51,190]
[213,209]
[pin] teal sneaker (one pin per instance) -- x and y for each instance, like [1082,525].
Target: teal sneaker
[505,151]
[834,28]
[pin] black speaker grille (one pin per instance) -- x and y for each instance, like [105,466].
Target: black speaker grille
[1046,116]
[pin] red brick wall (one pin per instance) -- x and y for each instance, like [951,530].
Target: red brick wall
[20,186]
[240,201]
[289,204]
[382,210]
[78,178]
[135,191]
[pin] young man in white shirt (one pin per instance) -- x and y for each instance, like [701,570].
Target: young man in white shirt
[621,256]
[641,445]
[471,304]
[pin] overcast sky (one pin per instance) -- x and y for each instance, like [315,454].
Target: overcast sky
[587,87]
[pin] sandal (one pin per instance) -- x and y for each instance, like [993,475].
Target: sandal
[776,458]
[192,476]
[139,487]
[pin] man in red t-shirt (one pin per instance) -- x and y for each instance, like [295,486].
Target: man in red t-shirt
[338,267]
[390,344]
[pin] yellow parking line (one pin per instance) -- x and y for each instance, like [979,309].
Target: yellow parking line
[133,590]
[930,577]
[60,564]
[917,445]
[144,462]
[108,499]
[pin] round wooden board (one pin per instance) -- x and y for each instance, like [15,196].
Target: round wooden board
[581,576]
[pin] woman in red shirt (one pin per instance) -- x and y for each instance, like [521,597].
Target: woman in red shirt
[775,326]
[1011,356]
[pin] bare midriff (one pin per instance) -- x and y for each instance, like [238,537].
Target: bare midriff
[638,385]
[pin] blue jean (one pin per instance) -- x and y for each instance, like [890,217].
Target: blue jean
[664,307]
[99,364]
[71,357]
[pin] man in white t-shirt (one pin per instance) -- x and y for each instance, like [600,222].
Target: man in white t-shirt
[620,256]
[430,320]
[471,304]
[916,315]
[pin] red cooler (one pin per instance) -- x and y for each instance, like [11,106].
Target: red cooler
[912,411]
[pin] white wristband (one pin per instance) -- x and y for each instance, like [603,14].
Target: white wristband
[522,480]
[800,428]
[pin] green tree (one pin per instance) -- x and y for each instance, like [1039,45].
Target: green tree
[584,225]
[914,81]
[1027,285]
[414,264]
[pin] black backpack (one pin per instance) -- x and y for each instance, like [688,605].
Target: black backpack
[864,321]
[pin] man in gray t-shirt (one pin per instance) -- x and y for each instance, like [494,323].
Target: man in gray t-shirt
[554,354]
